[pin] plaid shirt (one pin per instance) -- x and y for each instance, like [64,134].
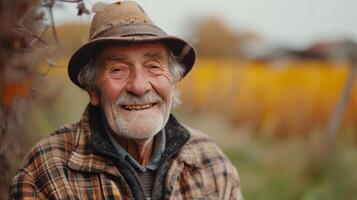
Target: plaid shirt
[77,162]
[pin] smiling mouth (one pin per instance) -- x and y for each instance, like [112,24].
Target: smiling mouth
[138,107]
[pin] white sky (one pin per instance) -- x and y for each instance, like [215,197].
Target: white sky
[292,22]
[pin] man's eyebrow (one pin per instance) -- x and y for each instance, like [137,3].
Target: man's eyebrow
[154,54]
[115,57]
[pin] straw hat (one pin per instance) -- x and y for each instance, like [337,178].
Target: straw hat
[121,23]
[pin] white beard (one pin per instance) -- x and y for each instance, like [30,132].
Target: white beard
[136,125]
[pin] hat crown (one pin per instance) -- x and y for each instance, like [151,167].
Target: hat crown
[121,13]
[122,23]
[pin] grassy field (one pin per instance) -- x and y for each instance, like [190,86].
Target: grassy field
[284,168]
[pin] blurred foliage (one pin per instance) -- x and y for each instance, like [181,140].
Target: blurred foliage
[279,99]
[273,169]
[215,39]
[19,25]
[22,51]
[71,36]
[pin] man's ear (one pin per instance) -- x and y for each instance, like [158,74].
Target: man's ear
[175,96]
[175,84]
[94,97]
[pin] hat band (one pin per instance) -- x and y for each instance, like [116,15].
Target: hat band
[131,30]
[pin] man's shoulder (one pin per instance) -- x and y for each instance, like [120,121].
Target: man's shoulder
[202,152]
[205,150]
[201,141]
[54,149]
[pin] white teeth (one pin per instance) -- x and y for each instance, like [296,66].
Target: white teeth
[137,107]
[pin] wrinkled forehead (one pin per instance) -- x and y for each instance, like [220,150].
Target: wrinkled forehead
[151,49]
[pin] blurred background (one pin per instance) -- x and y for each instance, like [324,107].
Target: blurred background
[274,85]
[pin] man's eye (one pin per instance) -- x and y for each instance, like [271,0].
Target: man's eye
[155,67]
[117,70]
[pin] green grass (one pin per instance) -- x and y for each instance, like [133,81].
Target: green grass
[294,169]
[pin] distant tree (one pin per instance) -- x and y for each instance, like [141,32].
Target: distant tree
[214,38]
[71,35]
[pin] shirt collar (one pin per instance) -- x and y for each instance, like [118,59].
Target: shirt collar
[158,149]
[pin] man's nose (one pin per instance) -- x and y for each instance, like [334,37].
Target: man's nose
[139,83]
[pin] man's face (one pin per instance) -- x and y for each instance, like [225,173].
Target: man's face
[135,89]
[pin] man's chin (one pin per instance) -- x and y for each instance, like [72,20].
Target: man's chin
[140,127]
[139,132]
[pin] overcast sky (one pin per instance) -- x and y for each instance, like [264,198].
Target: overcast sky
[291,22]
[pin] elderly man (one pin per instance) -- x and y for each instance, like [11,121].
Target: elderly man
[127,145]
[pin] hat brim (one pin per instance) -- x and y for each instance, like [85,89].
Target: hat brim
[180,48]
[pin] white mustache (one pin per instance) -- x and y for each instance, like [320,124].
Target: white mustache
[131,99]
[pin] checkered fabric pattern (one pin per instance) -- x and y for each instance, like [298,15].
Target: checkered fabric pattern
[65,166]
[201,171]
